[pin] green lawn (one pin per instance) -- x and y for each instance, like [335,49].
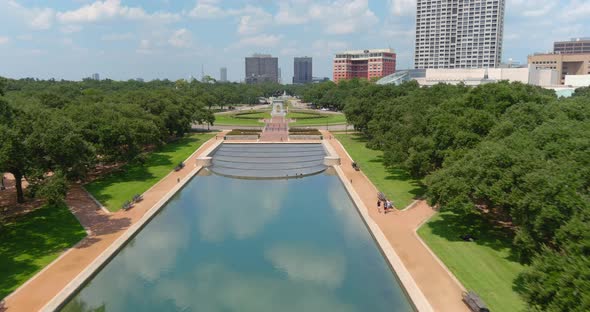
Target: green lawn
[330,119]
[229,119]
[113,190]
[486,265]
[395,183]
[32,241]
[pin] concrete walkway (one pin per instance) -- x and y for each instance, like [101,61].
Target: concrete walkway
[438,285]
[276,130]
[103,227]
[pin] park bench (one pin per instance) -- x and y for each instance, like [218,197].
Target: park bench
[127,205]
[179,166]
[474,303]
[137,198]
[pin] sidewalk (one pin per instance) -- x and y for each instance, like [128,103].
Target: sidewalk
[103,229]
[399,227]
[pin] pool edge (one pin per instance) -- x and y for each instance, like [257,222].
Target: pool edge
[417,298]
[62,297]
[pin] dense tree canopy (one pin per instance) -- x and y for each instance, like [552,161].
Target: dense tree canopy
[512,152]
[69,127]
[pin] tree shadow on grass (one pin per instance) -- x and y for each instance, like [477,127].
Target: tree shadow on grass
[31,237]
[397,174]
[136,172]
[452,226]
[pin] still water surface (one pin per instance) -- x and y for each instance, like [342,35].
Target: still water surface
[224,244]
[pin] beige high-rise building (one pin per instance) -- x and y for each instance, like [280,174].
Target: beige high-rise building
[565,64]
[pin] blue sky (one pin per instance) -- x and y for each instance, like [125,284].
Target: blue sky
[125,39]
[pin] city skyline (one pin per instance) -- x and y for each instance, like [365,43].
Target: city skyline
[170,39]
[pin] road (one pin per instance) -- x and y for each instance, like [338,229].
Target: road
[222,127]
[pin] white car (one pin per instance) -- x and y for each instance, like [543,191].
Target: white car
[324,109]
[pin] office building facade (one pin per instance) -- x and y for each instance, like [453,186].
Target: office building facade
[223,74]
[565,64]
[261,68]
[302,70]
[366,64]
[459,33]
[574,46]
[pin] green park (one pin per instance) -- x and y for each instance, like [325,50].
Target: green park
[504,165]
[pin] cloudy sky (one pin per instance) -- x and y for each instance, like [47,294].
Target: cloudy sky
[125,39]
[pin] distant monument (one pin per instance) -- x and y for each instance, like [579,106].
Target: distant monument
[277,107]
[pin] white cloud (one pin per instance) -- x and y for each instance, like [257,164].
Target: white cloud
[328,47]
[254,23]
[262,40]
[576,10]
[289,14]
[4,40]
[180,38]
[207,9]
[41,18]
[117,37]
[25,37]
[68,29]
[109,9]
[403,7]
[337,17]
[145,47]
[308,264]
[211,9]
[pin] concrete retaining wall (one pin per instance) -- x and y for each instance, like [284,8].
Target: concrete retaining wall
[241,137]
[304,137]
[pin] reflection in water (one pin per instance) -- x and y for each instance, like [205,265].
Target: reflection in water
[221,289]
[223,244]
[310,264]
[221,216]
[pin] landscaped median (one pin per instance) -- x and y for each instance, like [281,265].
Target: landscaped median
[304,134]
[315,118]
[115,189]
[242,118]
[243,134]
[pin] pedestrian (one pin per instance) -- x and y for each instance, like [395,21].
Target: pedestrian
[379,206]
[177,180]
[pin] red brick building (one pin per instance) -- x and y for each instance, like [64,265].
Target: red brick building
[365,64]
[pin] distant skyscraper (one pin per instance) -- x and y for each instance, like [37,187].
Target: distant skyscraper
[223,74]
[262,68]
[576,45]
[302,70]
[367,64]
[459,33]
[95,77]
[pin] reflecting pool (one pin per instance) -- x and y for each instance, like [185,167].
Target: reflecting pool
[224,244]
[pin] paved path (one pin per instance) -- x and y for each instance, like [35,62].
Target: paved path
[276,130]
[399,227]
[103,227]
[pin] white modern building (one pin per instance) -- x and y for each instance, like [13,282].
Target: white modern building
[475,76]
[459,33]
[223,74]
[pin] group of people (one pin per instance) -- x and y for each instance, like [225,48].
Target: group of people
[387,205]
